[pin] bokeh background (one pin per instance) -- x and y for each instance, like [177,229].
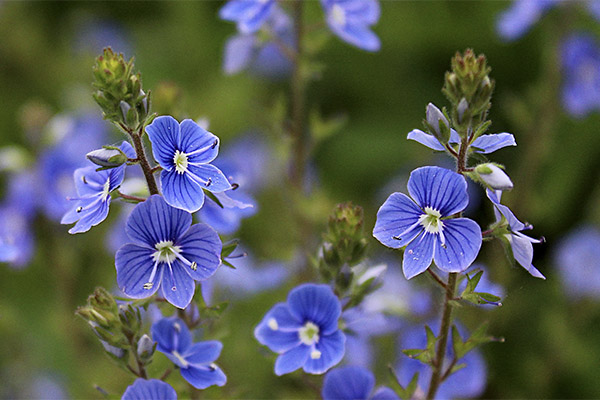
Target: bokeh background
[552,343]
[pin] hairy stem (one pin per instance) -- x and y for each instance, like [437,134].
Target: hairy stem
[138,145]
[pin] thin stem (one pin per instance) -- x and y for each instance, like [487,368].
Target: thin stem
[166,374]
[129,197]
[437,278]
[138,145]
[438,362]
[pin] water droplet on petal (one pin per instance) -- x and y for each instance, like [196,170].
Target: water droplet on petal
[410,252]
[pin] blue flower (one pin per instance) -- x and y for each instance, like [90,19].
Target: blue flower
[184,152]
[167,251]
[520,244]
[581,65]
[248,14]
[152,389]
[304,331]
[259,54]
[93,190]
[353,383]
[195,360]
[424,226]
[351,19]
[521,16]
[467,382]
[484,144]
[578,260]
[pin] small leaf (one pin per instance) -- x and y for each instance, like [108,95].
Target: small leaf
[457,367]
[404,393]
[211,196]
[229,247]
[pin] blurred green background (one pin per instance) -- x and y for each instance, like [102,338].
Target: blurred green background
[552,344]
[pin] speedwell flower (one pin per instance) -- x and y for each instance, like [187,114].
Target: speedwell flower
[167,251]
[184,151]
[304,331]
[152,389]
[520,244]
[195,360]
[424,226]
[93,189]
[353,383]
[581,65]
[351,19]
[249,14]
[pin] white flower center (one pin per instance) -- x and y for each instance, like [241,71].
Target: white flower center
[182,362]
[166,252]
[431,220]
[309,334]
[181,161]
[338,15]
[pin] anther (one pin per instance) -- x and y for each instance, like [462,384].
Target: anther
[234,186]
[396,237]
[148,285]
[208,182]
[83,179]
[215,143]
[79,209]
[194,266]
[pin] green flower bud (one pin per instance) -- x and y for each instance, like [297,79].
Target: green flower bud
[108,157]
[493,176]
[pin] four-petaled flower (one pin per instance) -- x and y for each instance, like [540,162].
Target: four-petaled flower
[353,383]
[304,331]
[184,152]
[520,244]
[249,14]
[425,225]
[93,189]
[168,251]
[351,19]
[152,389]
[195,360]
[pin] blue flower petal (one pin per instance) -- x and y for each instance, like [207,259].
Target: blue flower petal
[203,377]
[385,393]
[418,255]
[177,285]
[462,243]
[181,191]
[331,348]
[210,177]
[425,139]
[201,244]
[394,218]
[348,383]
[127,149]
[292,360]
[203,352]
[152,389]
[238,53]
[489,143]
[235,9]
[365,11]
[522,250]
[200,145]
[91,217]
[502,210]
[278,330]
[317,304]
[164,133]
[356,34]
[88,182]
[134,268]
[439,188]
[171,334]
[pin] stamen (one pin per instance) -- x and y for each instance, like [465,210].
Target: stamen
[234,186]
[273,324]
[203,149]
[194,266]
[315,354]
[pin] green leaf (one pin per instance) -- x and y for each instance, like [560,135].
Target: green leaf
[404,393]
[229,248]
[211,196]
[457,367]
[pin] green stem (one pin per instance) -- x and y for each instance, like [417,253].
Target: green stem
[138,145]
[438,363]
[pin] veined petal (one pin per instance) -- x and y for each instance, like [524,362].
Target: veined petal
[489,143]
[164,133]
[202,245]
[211,177]
[203,377]
[330,350]
[278,330]
[152,389]
[502,210]
[203,352]
[292,360]
[200,145]
[88,181]
[91,217]
[177,285]
[425,139]
[317,304]
[171,334]
[439,188]
[522,250]
[154,221]
[418,255]
[462,243]
[181,191]
[134,269]
[127,149]
[394,218]
[348,383]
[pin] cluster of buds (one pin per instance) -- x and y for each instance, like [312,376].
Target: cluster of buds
[119,91]
[469,89]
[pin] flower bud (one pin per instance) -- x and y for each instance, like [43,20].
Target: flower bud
[493,176]
[438,122]
[145,348]
[463,106]
[107,157]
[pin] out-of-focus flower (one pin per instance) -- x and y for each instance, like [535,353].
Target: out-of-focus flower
[351,20]
[422,224]
[353,383]
[304,330]
[166,251]
[248,14]
[521,16]
[581,65]
[578,260]
[195,360]
[152,389]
